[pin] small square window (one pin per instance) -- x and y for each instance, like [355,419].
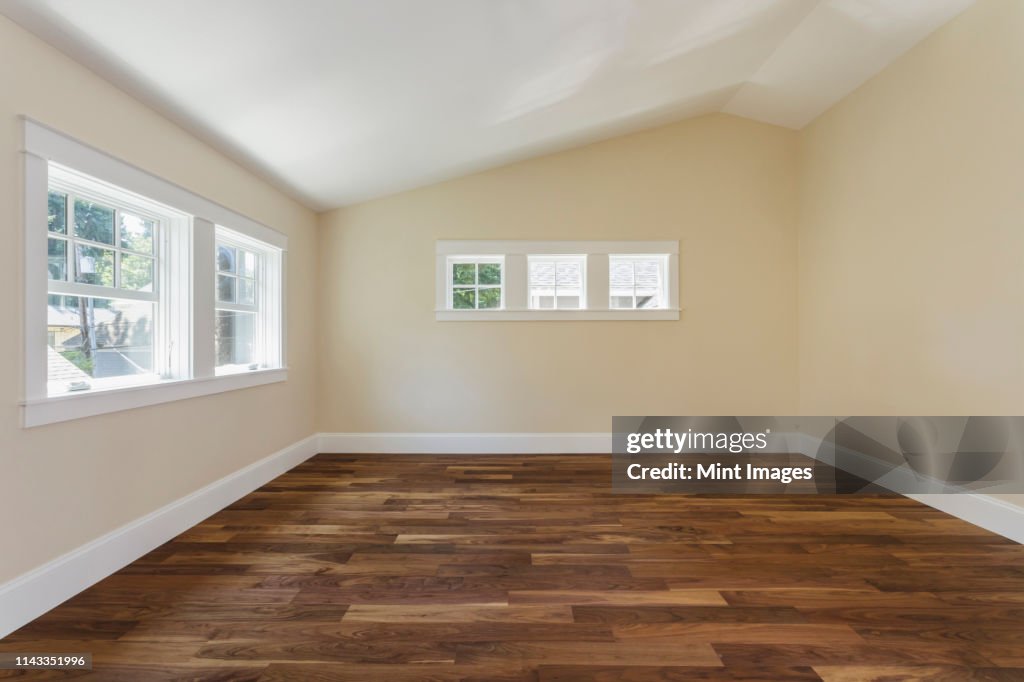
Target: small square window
[557,282]
[637,282]
[476,282]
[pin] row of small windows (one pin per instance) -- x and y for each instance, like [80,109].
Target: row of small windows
[558,282]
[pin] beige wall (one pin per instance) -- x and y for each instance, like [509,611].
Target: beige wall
[912,231]
[723,186]
[65,484]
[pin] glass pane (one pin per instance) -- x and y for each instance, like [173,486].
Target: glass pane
[568,302]
[226,288]
[490,273]
[542,301]
[247,291]
[464,273]
[542,273]
[647,300]
[94,265]
[57,257]
[137,233]
[463,299]
[235,338]
[136,272]
[620,273]
[622,301]
[97,338]
[570,274]
[57,212]
[94,221]
[225,259]
[648,274]
[490,298]
[246,263]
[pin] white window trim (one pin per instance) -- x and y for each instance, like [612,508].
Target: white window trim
[516,279]
[42,146]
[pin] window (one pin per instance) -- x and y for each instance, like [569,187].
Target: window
[637,282]
[137,291]
[245,329]
[476,282]
[556,282]
[106,314]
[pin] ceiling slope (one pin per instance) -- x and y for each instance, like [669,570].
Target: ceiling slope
[339,101]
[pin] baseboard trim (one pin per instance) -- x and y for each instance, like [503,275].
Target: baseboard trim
[466,443]
[984,511]
[32,594]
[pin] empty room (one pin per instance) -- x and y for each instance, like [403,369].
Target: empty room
[512,340]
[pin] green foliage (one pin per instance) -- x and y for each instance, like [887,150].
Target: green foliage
[57,210]
[80,360]
[490,273]
[490,298]
[464,273]
[463,299]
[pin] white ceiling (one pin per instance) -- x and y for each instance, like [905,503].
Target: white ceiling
[338,101]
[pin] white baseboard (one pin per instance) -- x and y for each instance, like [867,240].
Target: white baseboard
[467,443]
[985,511]
[31,595]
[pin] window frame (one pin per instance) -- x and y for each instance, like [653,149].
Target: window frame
[580,258]
[190,355]
[266,304]
[663,278]
[478,260]
[516,255]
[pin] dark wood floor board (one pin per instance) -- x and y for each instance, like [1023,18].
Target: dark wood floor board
[528,568]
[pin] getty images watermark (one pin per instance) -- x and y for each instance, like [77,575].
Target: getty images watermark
[831,455]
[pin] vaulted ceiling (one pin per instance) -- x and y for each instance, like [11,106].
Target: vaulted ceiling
[338,101]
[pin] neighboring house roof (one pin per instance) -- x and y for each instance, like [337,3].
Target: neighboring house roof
[61,369]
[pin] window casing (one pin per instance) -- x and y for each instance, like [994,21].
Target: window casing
[121,282]
[557,282]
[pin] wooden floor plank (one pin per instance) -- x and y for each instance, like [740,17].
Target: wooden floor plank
[518,568]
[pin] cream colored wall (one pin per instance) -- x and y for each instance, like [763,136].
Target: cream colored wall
[65,484]
[912,231]
[723,186]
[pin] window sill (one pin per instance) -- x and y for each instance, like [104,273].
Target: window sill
[77,405]
[521,315]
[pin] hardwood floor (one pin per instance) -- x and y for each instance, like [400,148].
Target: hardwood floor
[498,568]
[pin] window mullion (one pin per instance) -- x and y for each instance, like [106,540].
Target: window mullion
[204,294]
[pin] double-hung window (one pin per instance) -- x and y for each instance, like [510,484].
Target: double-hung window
[247,305]
[109,299]
[137,291]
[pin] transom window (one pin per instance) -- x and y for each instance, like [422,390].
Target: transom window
[637,282]
[556,282]
[476,282]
